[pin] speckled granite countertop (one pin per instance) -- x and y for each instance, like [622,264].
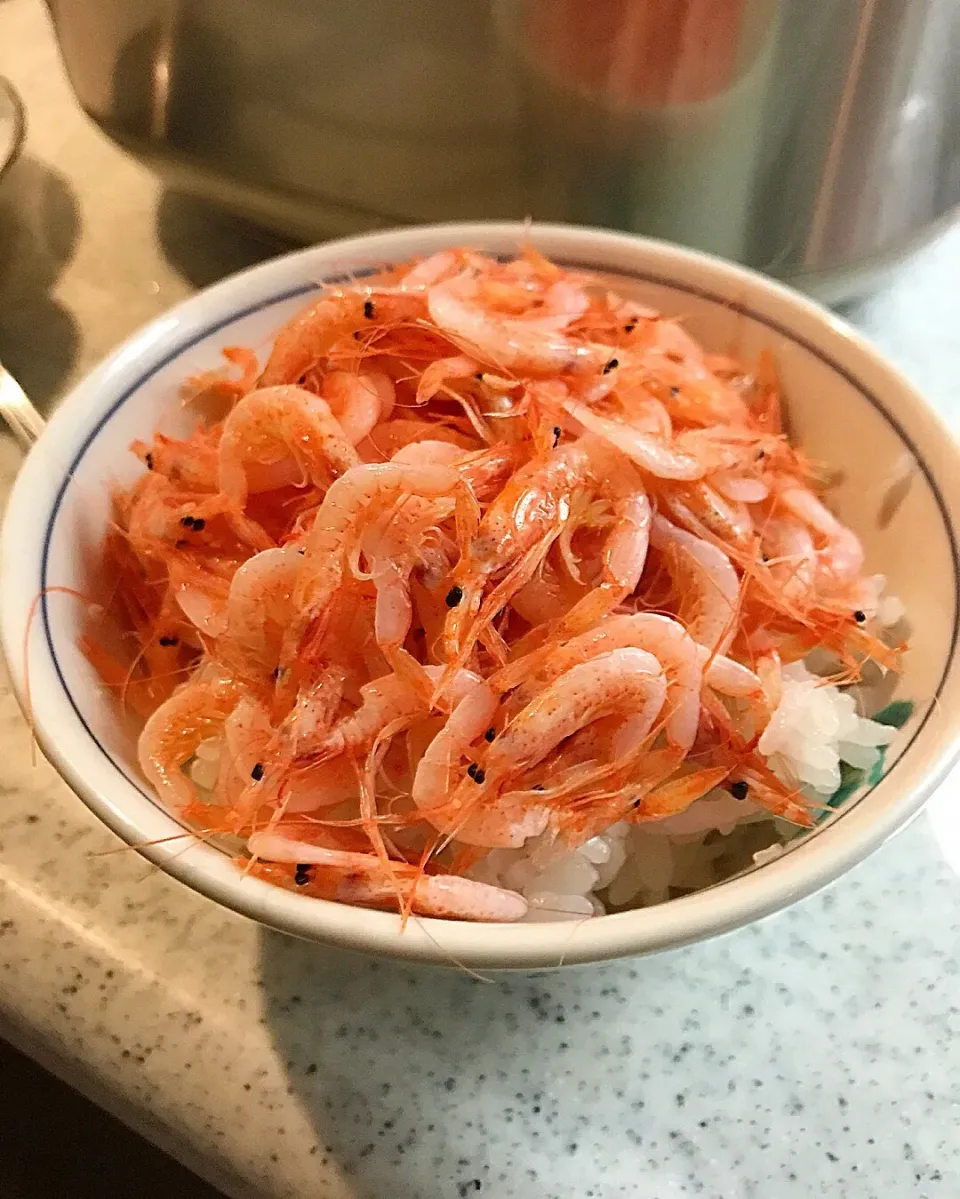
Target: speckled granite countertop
[818,1053]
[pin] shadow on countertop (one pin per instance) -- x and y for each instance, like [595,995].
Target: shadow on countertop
[39,226]
[58,1145]
[409,1073]
[768,1062]
[203,243]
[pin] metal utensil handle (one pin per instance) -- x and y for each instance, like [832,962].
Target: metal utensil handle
[26,423]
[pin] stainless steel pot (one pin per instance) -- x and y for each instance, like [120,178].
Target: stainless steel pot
[815,140]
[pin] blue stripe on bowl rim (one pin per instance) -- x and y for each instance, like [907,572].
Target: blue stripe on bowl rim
[305,289]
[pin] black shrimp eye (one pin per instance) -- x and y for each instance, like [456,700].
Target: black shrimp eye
[187,522]
[368,309]
[859,616]
[257,772]
[476,773]
[454,596]
[611,366]
[739,789]
[629,328]
[168,641]
[674,391]
[198,524]
[302,876]
[489,734]
[148,459]
[556,436]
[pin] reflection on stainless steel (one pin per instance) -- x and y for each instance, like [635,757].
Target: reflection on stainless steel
[809,139]
[24,421]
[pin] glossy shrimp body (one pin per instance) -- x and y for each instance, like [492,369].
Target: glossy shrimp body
[518,529]
[273,437]
[624,550]
[359,493]
[711,601]
[362,878]
[394,553]
[626,682]
[194,713]
[701,510]
[259,608]
[383,701]
[359,400]
[158,511]
[841,559]
[688,456]
[663,638]
[311,334]
[438,375]
[527,345]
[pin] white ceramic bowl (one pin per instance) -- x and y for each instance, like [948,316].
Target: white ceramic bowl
[846,405]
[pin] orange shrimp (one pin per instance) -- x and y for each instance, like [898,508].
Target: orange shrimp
[361,878]
[489,558]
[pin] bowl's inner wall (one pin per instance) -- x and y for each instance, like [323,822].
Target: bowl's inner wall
[833,418]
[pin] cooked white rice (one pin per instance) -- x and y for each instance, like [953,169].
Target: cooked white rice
[813,730]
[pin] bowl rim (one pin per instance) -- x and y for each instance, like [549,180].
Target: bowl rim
[718,909]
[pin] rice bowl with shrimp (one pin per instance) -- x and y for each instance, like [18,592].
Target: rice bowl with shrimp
[488,594]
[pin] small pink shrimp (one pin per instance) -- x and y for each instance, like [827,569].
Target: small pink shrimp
[626,682]
[528,345]
[433,782]
[468,721]
[200,595]
[689,455]
[740,488]
[718,586]
[792,555]
[273,437]
[259,608]
[359,401]
[392,435]
[316,785]
[661,636]
[430,453]
[702,510]
[726,676]
[360,492]
[432,269]
[156,519]
[444,371]
[393,553]
[362,878]
[250,742]
[841,558]
[624,550]
[195,712]
[383,701]
[307,339]
[548,596]
[516,531]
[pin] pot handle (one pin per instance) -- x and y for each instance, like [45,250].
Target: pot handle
[26,423]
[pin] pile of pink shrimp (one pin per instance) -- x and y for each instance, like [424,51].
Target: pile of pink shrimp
[483,552]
